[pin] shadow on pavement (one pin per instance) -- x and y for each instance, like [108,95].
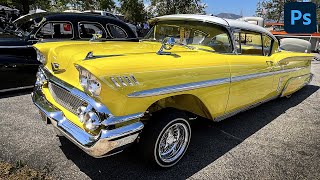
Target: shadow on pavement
[209,142]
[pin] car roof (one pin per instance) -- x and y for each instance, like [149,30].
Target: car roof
[60,16]
[217,20]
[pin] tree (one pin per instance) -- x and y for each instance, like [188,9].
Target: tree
[107,5]
[133,10]
[164,7]
[274,8]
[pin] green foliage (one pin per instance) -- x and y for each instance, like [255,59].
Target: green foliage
[164,7]
[133,10]
[273,9]
[58,5]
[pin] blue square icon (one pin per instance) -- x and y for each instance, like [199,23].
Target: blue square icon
[300,17]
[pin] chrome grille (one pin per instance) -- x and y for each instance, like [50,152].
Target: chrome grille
[65,98]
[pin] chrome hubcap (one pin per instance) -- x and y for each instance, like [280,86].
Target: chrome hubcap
[173,142]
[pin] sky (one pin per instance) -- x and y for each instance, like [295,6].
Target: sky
[248,7]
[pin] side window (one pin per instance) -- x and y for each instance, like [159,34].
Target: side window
[56,30]
[116,31]
[267,45]
[86,30]
[251,43]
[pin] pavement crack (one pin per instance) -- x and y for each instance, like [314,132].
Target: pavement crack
[230,135]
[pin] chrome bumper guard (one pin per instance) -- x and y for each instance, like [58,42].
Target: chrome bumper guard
[106,143]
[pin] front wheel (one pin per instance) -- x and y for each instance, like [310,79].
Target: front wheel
[166,138]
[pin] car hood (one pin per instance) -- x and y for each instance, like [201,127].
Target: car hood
[112,57]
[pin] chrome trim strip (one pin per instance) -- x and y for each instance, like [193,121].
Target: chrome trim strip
[264,74]
[121,119]
[310,75]
[179,88]
[229,114]
[204,84]
[17,88]
[14,47]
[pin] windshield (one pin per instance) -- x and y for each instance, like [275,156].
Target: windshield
[25,24]
[200,35]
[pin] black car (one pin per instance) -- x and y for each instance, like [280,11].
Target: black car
[18,62]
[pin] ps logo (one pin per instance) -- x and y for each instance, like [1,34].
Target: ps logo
[297,15]
[300,17]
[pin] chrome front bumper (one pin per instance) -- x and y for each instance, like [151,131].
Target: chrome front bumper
[106,143]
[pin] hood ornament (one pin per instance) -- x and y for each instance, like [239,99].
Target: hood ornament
[167,44]
[97,36]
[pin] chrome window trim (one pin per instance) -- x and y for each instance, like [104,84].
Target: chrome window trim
[88,22]
[118,27]
[204,84]
[35,34]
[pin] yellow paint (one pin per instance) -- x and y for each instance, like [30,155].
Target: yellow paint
[155,71]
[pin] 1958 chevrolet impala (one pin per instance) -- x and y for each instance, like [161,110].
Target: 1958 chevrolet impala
[104,96]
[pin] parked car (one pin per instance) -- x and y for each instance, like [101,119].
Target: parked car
[105,96]
[18,62]
[106,13]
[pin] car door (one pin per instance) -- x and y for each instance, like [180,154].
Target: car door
[15,54]
[251,71]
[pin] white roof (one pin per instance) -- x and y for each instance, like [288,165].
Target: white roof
[213,19]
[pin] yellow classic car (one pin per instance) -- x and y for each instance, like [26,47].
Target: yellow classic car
[105,96]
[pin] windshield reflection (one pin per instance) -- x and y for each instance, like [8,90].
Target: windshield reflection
[193,35]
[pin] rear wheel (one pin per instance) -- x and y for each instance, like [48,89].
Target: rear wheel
[166,138]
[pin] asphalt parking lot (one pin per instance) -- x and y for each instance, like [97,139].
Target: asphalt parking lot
[277,140]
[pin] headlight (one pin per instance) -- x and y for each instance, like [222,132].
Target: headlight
[40,57]
[89,82]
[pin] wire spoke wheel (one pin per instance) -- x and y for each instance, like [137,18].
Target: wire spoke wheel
[173,142]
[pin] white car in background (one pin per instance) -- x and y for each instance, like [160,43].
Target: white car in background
[105,13]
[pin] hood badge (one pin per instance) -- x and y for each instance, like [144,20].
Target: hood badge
[55,68]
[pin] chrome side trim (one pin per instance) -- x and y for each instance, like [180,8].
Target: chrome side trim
[260,75]
[229,114]
[121,119]
[293,78]
[14,47]
[204,84]
[179,88]
[14,89]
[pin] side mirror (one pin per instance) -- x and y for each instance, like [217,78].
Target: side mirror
[167,44]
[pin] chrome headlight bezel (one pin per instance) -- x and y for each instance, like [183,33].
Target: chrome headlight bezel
[41,78]
[89,82]
[41,57]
